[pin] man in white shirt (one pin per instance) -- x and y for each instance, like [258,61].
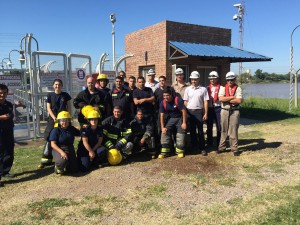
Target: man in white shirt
[196,101]
[151,82]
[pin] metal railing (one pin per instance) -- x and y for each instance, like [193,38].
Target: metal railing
[35,108]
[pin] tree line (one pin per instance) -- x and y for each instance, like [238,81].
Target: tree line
[259,76]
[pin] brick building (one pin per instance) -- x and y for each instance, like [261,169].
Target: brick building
[168,45]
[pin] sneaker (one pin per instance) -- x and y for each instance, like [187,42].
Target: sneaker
[204,153]
[180,155]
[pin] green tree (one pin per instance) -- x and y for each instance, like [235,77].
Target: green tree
[259,74]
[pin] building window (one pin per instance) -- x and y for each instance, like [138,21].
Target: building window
[186,72]
[144,70]
[204,72]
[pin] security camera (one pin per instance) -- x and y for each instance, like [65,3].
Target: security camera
[235,17]
[237,5]
[112,18]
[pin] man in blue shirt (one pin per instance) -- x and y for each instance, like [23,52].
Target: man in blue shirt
[172,117]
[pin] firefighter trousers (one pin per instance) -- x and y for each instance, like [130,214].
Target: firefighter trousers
[171,125]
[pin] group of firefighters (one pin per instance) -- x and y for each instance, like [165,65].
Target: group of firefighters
[137,116]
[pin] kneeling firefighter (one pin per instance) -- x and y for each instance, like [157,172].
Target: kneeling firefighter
[117,134]
[90,151]
[62,143]
[143,134]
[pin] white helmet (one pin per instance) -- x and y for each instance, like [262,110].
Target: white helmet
[213,74]
[195,75]
[178,71]
[151,72]
[230,75]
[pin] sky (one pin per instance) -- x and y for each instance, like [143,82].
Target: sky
[73,26]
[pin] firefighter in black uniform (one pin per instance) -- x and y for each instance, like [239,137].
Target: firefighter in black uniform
[143,134]
[6,134]
[102,81]
[57,101]
[172,117]
[117,132]
[123,98]
[62,143]
[90,96]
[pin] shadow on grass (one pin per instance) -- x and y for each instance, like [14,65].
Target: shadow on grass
[267,115]
[30,175]
[39,173]
[256,144]
[21,143]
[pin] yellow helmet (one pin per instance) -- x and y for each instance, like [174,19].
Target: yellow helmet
[64,115]
[85,110]
[93,114]
[114,156]
[102,76]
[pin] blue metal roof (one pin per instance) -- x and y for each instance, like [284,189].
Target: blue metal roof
[218,51]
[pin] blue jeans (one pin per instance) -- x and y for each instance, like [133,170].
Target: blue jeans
[85,164]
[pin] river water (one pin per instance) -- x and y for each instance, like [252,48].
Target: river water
[272,90]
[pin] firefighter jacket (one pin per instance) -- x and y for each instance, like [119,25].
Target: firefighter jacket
[85,98]
[123,98]
[107,102]
[140,129]
[116,132]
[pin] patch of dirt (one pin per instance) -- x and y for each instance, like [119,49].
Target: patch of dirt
[188,165]
[189,185]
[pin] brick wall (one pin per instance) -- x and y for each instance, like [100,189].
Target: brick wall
[151,39]
[154,39]
[184,32]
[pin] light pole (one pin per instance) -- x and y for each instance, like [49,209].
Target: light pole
[21,59]
[112,18]
[240,17]
[5,63]
[27,48]
[293,75]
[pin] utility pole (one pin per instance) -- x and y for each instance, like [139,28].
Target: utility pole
[240,17]
[113,20]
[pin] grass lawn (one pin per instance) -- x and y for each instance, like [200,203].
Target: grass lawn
[261,186]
